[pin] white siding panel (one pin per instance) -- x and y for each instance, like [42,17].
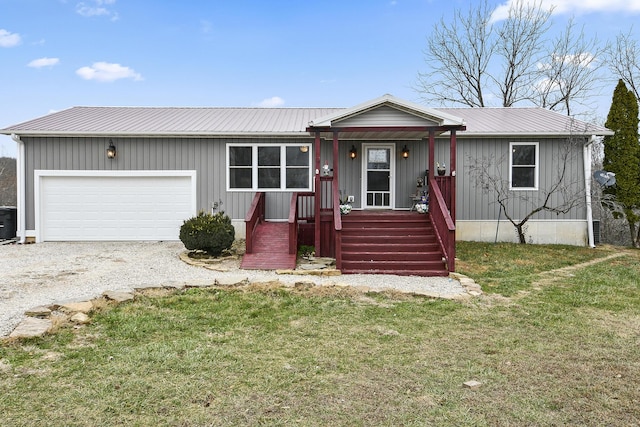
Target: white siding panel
[113,207]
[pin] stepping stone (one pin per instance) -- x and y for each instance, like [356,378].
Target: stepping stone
[31,327]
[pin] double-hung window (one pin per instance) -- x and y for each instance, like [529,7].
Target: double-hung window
[269,167]
[523,166]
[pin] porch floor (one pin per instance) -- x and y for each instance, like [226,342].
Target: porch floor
[270,248]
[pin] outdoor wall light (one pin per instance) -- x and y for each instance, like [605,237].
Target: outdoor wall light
[353,153]
[111,150]
[405,152]
[304,148]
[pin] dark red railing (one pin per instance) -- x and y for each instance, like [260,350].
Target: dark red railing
[444,184]
[300,209]
[442,222]
[337,226]
[254,217]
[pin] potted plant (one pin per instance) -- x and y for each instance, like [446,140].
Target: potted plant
[345,206]
[423,205]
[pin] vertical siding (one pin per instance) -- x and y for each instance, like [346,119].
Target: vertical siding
[207,156]
[476,203]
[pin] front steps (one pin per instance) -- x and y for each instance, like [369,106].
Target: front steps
[390,242]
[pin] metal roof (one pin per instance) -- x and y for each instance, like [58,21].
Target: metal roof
[206,121]
[531,121]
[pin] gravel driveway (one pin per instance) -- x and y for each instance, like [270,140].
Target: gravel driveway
[47,273]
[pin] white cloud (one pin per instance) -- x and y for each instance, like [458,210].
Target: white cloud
[97,8]
[107,72]
[571,6]
[43,62]
[8,39]
[272,102]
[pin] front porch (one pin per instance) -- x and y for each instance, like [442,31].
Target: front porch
[387,146]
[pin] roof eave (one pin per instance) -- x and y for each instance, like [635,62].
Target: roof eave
[199,134]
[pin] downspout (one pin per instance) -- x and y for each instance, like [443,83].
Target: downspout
[21,187]
[586,157]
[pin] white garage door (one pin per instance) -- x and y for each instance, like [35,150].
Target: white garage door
[91,206]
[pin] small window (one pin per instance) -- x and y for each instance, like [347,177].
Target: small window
[269,167]
[524,166]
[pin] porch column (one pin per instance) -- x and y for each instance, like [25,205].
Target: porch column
[452,164]
[432,152]
[317,204]
[336,183]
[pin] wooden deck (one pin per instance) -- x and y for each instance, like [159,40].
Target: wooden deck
[390,242]
[270,248]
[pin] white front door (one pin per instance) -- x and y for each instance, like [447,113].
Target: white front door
[378,177]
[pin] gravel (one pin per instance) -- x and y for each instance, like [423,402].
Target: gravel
[49,273]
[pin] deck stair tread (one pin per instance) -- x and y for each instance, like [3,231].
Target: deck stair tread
[270,248]
[388,242]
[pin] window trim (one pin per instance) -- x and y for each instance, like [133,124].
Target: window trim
[283,167]
[536,172]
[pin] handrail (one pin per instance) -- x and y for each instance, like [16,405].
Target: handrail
[443,224]
[254,217]
[337,226]
[293,224]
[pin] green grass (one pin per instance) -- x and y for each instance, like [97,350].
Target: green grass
[559,351]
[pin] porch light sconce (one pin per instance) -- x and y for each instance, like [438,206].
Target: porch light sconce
[304,148]
[111,150]
[353,153]
[405,152]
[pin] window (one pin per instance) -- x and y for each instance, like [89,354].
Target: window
[523,165]
[269,167]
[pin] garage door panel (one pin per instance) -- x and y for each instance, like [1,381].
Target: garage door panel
[114,207]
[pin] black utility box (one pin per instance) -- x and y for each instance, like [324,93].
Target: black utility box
[8,222]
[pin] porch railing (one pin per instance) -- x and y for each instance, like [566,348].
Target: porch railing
[300,209]
[254,217]
[442,223]
[337,226]
[444,184]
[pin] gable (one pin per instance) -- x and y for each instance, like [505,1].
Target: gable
[384,116]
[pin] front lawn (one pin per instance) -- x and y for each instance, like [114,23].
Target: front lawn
[548,349]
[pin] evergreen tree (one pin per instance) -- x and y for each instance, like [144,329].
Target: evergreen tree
[622,156]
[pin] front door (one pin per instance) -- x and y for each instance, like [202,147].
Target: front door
[379,164]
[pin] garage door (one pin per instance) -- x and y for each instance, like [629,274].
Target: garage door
[116,206]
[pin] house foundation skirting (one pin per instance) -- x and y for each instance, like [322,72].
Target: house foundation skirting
[565,232]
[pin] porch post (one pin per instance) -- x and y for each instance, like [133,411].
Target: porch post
[317,204]
[452,164]
[432,152]
[336,156]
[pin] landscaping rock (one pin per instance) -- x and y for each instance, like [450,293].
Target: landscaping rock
[472,384]
[118,296]
[80,319]
[31,327]
[40,311]
[232,281]
[76,307]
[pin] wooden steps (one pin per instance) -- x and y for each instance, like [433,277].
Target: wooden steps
[270,248]
[390,242]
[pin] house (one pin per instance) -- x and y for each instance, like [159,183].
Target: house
[135,173]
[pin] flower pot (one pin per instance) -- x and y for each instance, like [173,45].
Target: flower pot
[345,209]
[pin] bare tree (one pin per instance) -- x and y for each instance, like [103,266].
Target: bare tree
[458,54]
[624,61]
[7,181]
[473,60]
[519,46]
[568,77]
[560,197]
[469,61]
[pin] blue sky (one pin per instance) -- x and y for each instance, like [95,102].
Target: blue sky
[55,54]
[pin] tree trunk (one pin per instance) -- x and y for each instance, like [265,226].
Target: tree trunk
[521,235]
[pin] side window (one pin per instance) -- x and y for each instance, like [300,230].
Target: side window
[523,165]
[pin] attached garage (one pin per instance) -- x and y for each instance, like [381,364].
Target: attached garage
[112,205]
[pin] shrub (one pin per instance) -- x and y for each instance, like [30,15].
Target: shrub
[212,233]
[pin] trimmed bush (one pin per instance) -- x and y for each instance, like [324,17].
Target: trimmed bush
[212,233]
